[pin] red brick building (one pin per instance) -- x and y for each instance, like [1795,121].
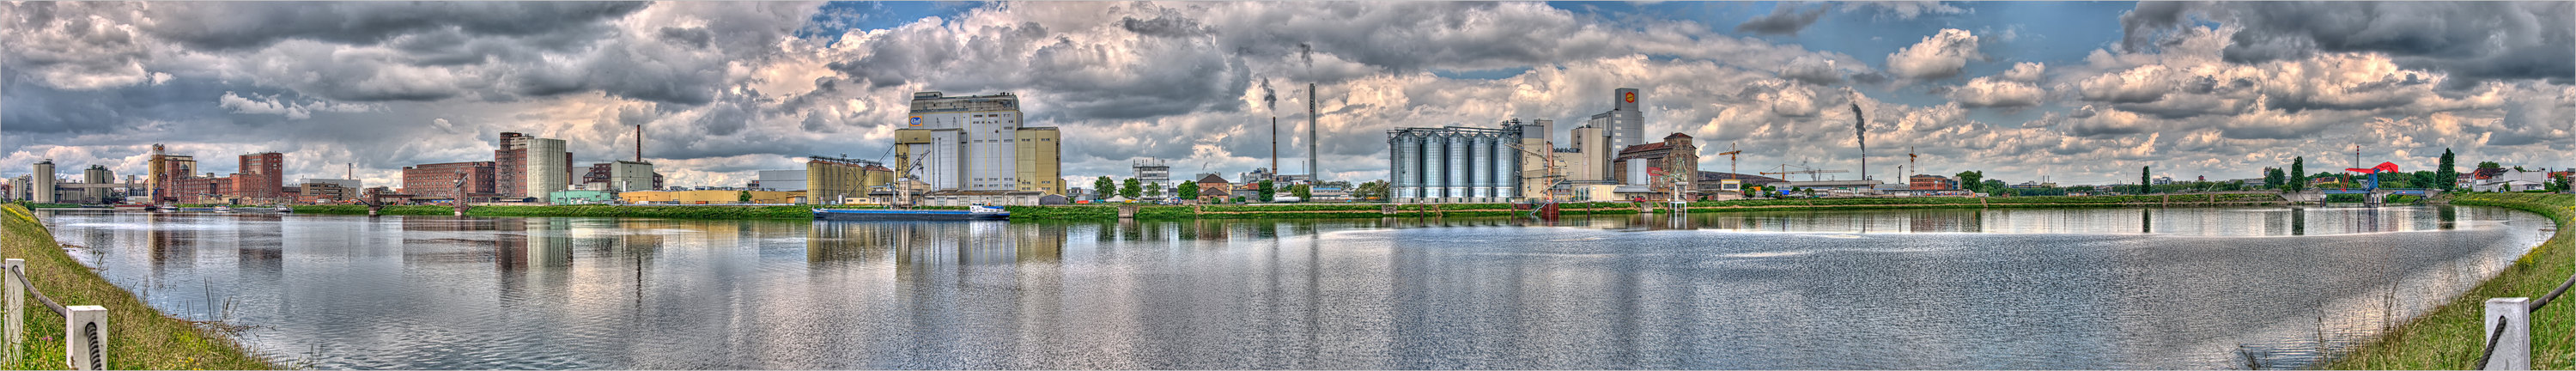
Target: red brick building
[262,177]
[439,180]
[206,190]
[1924,182]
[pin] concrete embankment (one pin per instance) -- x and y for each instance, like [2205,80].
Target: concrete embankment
[139,337]
[2450,337]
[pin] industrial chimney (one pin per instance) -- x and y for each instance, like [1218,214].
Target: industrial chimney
[1314,172]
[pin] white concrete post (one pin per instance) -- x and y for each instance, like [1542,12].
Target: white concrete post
[17,305]
[85,332]
[2513,350]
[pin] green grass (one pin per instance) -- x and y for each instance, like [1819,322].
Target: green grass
[139,337]
[2450,337]
[32,205]
[642,211]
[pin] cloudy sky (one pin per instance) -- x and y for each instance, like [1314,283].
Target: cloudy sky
[2080,92]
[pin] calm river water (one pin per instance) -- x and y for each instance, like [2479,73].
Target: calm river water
[1939,289]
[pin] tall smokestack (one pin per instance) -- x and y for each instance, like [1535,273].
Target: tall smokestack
[1314,168]
[639,142]
[1274,146]
[353,172]
[1860,127]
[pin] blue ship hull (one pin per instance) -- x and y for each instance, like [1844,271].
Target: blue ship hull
[846,214]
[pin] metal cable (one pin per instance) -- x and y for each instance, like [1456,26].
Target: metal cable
[21,274]
[2491,343]
[2553,294]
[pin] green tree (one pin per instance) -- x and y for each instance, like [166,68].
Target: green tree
[1992,186]
[1189,190]
[1371,190]
[1303,192]
[744,196]
[2273,175]
[1972,180]
[1131,189]
[1102,188]
[1267,192]
[2298,174]
[2449,174]
[2144,187]
[1154,190]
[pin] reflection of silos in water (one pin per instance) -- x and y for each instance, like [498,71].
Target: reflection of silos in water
[549,242]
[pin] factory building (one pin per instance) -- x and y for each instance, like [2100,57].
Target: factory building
[626,176]
[1625,124]
[1460,164]
[549,167]
[166,172]
[44,186]
[830,180]
[1153,171]
[439,180]
[261,179]
[977,143]
[99,184]
[1662,167]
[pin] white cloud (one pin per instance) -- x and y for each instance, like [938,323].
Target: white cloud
[1936,57]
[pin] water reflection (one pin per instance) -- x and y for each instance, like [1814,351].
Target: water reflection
[1949,288]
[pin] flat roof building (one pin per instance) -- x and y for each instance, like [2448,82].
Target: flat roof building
[977,143]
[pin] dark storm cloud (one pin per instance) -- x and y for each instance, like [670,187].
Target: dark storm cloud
[1783,20]
[1168,25]
[229,25]
[2474,41]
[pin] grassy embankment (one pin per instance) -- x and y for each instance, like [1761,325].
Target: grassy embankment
[1990,202]
[2450,337]
[140,338]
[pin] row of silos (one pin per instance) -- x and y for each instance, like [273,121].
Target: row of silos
[1453,164]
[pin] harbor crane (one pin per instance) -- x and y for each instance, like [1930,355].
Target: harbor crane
[1811,172]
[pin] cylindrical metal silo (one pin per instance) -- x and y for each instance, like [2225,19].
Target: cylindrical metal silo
[1435,174]
[1504,163]
[1457,166]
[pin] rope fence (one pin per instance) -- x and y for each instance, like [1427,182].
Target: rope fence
[84,326]
[2508,312]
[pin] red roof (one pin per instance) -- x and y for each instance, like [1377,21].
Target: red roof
[1680,135]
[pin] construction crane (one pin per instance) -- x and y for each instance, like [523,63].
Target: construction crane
[1730,159]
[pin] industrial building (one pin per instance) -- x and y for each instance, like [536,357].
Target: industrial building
[707,197]
[778,180]
[166,172]
[830,180]
[438,181]
[527,166]
[1459,164]
[1625,124]
[261,179]
[1661,167]
[547,168]
[1921,182]
[977,143]
[604,176]
[44,184]
[1153,172]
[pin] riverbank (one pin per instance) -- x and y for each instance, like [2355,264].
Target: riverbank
[1303,211]
[2450,337]
[141,338]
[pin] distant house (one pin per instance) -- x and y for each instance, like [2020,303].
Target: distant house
[2508,180]
[1214,188]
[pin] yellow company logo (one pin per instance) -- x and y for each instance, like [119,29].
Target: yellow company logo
[1630,96]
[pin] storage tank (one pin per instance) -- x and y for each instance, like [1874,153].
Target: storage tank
[1456,150]
[1435,175]
[1400,168]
